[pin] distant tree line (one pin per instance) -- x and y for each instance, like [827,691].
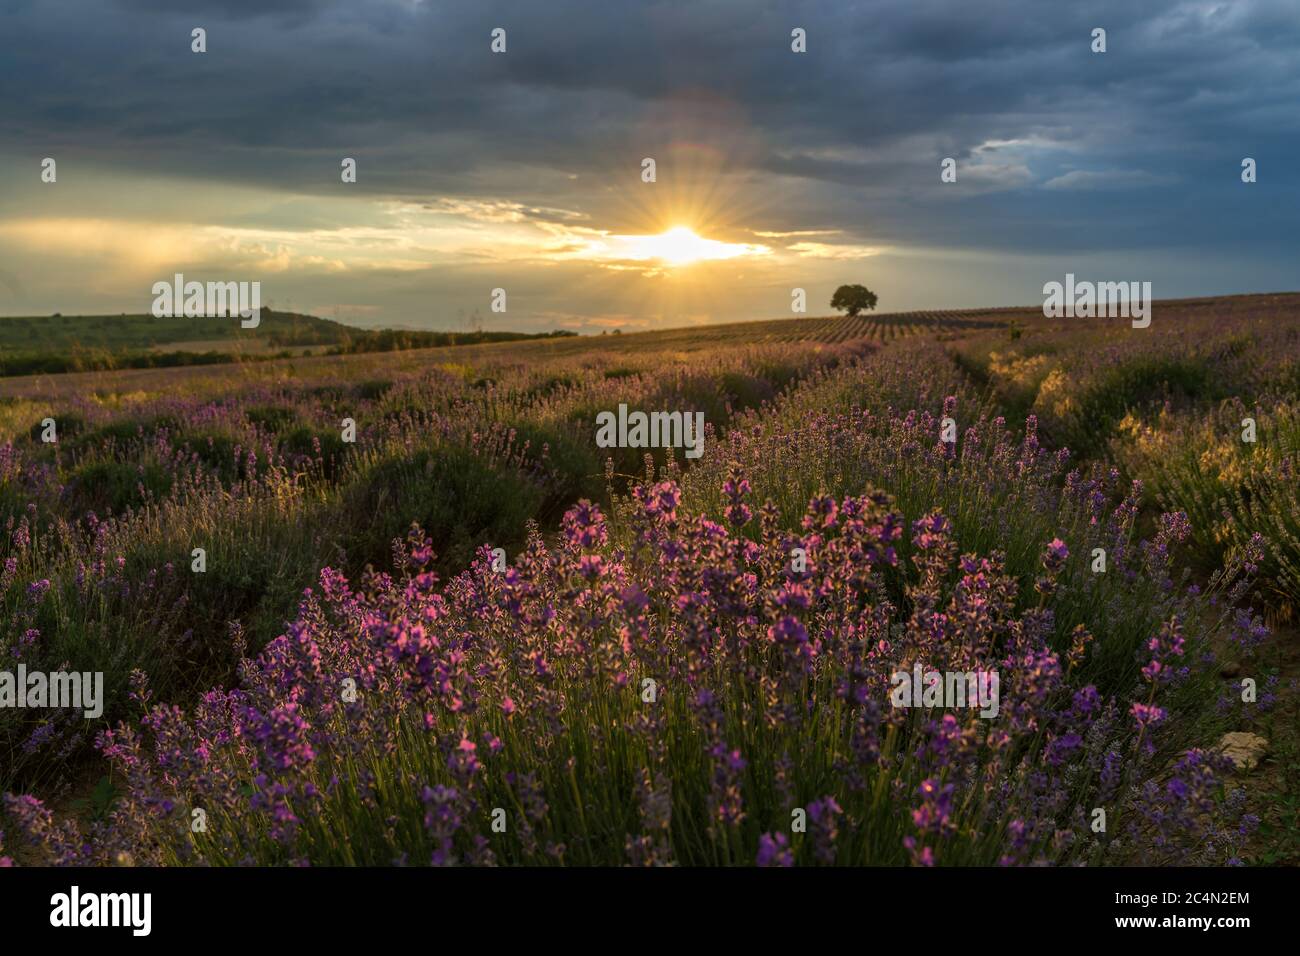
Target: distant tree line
[396,340]
[57,363]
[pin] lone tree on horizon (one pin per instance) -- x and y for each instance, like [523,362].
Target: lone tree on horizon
[853,299]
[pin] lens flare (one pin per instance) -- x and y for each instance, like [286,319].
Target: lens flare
[678,246]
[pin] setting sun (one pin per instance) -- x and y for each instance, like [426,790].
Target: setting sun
[680,246]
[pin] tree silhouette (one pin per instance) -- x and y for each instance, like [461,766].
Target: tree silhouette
[853,299]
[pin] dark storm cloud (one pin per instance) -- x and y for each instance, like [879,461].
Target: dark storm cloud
[1140,146]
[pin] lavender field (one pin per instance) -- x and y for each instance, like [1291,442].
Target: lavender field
[404,609]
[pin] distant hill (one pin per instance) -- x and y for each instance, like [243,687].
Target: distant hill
[51,344]
[114,332]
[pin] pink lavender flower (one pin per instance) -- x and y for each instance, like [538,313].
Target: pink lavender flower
[1146,715]
[1056,555]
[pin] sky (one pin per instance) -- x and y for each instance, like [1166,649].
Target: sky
[523,170]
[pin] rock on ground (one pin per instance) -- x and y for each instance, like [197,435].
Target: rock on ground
[1245,750]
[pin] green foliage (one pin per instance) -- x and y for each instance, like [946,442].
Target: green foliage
[460,501]
[103,486]
[97,806]
[273,418]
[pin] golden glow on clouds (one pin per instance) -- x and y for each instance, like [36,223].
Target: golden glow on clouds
[132,248]
[86,236]
[823,250]
[399,238]
[671,253]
